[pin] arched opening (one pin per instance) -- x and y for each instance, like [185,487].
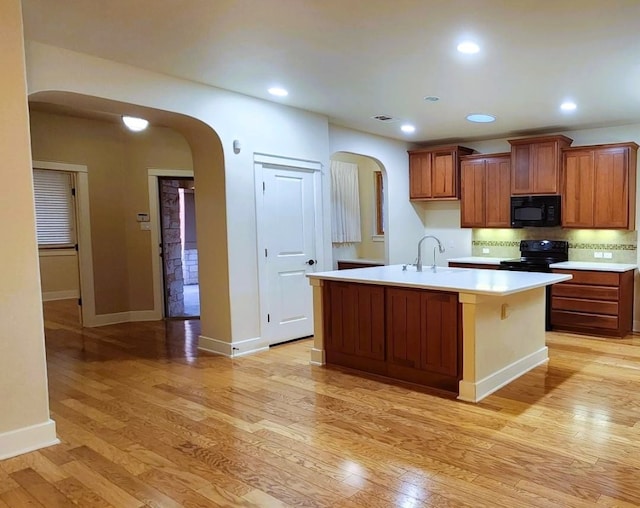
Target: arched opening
[372,192]
[207,160]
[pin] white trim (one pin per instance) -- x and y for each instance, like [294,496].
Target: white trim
[67,294]
[60,166]
[475,392]
[50,253]
[28,439]
[317,357]
[154,219]
[232,349]
[636,326]
[125,317]
[171,173]
[83,220]
[286,162]
[377,238]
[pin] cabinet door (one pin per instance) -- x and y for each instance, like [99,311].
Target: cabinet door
[578,198]
[521,176]
[355,319]
[498,192]
[403,327]
[420,175]
[472,194]
[611,203]
[422,330]
[439,332]
[444,178]
[545,158]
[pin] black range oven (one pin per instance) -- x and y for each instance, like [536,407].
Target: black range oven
[537,256]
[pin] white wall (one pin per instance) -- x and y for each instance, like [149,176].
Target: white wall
[261,126]
[24,405]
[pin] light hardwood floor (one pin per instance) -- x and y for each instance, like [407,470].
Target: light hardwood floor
[147,420]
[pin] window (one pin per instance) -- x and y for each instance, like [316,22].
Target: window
[379,196]
[54,208]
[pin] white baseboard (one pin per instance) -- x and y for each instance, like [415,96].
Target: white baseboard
[67,294]
[232,349]
[317,357]
[475,392]
[28,439]
[636,326]
[123,317]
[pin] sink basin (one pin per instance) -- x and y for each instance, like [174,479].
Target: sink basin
[439,269]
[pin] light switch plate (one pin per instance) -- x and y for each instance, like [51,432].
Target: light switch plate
[485,250]
[597,254]
[607,255]
[145,226]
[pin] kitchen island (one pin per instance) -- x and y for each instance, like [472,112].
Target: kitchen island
[466,331]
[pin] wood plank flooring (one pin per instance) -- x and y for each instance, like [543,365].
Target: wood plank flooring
[147,420]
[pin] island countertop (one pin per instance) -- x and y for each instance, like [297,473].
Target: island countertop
[460,280]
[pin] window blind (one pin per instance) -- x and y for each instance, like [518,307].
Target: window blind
[54,208]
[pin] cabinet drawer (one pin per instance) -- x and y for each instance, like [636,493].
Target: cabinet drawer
[569,290]
[567,318]
[580,305]
[594,278]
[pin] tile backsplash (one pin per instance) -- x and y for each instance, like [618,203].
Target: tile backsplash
[583,243]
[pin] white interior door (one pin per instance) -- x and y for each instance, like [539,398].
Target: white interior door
[287,240]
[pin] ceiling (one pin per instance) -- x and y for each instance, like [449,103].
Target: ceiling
[353,59]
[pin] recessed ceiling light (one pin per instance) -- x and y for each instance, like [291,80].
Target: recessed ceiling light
[432,98]
[568,106]
[468,47]
[278,92]
[135,124]
[481,118]
[408,129]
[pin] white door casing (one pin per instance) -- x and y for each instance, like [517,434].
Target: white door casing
[288,225]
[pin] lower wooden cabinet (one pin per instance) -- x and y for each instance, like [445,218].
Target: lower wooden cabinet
[408,334]
[593,302]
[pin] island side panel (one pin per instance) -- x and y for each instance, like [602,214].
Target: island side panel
[503,338]
[317,351]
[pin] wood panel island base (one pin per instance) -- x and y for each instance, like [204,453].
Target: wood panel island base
[465,331]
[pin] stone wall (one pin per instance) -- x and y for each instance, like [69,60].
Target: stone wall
[172,247]
[190,266]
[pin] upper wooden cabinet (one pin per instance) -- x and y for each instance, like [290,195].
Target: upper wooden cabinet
[599,186]
[536,163]
[434,173]
[485,191]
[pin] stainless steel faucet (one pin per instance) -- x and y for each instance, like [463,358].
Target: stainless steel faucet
[419,261]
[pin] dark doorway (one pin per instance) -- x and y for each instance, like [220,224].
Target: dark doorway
[179,247]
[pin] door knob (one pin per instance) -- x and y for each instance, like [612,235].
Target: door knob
[311,262]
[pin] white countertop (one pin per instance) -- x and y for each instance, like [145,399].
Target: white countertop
[478,260]
[585,265]
[458,280]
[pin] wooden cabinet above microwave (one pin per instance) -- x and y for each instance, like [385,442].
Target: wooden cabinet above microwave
[536,163]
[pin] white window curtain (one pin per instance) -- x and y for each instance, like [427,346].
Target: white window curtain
[345,203]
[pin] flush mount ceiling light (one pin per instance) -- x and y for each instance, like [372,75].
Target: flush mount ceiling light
[468,47]
[278,92]
[568,106]
[407,128]
[481,118]
[432,98]
[135,124]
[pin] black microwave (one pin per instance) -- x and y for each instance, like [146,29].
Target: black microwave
[535,211]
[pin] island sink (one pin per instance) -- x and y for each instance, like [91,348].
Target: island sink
[465,331]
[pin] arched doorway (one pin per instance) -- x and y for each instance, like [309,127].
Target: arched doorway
[208,168]
[372,246]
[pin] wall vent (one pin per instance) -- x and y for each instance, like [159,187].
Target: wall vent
[385,118]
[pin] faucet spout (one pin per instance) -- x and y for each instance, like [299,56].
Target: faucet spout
[419,260]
